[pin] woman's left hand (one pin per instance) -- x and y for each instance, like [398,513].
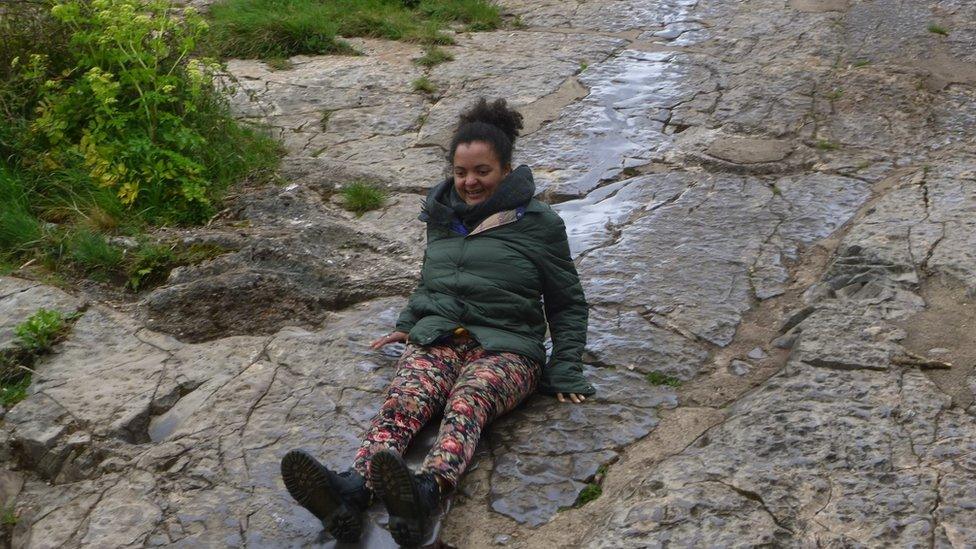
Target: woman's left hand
[570,397]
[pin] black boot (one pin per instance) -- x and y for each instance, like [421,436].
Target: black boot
[411,500]
[337,499]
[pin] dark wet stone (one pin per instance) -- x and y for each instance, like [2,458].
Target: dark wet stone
[546,451]
[532,488]
[626,339]
[811,450]
[746,150]
[615,126]
[740,367]
[302,263]
[836,338]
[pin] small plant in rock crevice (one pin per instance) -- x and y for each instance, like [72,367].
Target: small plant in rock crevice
[826,145]
[36,335]
[8,516]
[279,63]
[589,493]
[423,85]
[936,28]
[433,56]
[40,330]
[360,197]
[658,378]
[592,490]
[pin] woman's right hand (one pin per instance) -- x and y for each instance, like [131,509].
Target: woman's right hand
[394,337]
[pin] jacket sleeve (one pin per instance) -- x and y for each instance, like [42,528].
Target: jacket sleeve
[566,313]
[408,316]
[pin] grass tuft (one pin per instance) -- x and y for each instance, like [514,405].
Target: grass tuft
[589,493]
[361,197]
[282,28]
[152,262]
[93,254]
[936,28]
[279,63]
[8,516]
[826,145]
[834,94]
[433,56]
[424,85]
[658,378]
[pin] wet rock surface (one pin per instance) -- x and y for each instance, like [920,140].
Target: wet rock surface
[733,178]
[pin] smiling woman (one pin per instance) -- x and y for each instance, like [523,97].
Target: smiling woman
[497,273]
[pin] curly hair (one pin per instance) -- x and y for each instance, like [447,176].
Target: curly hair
[494,123]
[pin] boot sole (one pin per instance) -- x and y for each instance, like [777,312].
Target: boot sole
[394,484]
[311,485]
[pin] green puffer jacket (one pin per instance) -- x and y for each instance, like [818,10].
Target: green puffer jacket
[490,282]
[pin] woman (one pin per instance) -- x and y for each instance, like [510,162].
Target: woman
[475,327]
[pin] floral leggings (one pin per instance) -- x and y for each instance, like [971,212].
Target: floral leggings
[471,385]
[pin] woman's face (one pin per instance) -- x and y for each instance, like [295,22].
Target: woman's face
[477,171]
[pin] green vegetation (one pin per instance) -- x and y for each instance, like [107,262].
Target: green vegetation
[592,490]
[658,378]
[424,85]
[110,127]
[935,28]
[282,28]
[361,197]
[589,493]
[324,122]
[834,94]
[826,145]
[151,263]
[433,56]
[583,65]
[40,330]
[279,63]
[861,63]
[35,337]
[8,516]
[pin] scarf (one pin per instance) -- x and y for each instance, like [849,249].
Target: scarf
[444,204]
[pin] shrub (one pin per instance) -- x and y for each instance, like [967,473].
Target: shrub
[111,126]
[125,107]
[361,197]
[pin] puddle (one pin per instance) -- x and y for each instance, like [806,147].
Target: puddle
[618,125]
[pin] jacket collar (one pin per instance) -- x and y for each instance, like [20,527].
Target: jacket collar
[437,209]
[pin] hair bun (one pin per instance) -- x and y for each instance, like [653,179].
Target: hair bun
[497,113]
